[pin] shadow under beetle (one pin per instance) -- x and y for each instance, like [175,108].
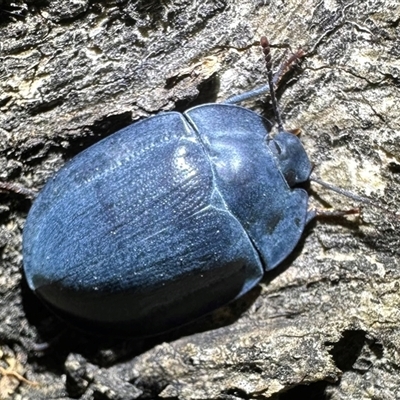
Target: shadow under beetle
[167,219]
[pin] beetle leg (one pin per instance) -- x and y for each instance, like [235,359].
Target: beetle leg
[323,213]
[17,188]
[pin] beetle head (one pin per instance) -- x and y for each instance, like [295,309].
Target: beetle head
[291,157]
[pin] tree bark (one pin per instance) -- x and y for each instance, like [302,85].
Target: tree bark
[326,322]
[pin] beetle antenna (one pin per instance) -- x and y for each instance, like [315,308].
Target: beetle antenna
[350,195]
[341,191]
[285,66]
[268,62]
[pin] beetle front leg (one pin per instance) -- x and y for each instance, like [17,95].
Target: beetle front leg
[323,213]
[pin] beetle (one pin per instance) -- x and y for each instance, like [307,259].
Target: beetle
[168,219]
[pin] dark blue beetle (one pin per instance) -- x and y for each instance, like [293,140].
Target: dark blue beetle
[167,219]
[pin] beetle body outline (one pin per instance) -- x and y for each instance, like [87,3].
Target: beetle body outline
[200,201]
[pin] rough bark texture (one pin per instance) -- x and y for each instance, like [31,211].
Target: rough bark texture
[326,323]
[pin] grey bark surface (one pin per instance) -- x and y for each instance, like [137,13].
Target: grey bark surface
[326,322]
